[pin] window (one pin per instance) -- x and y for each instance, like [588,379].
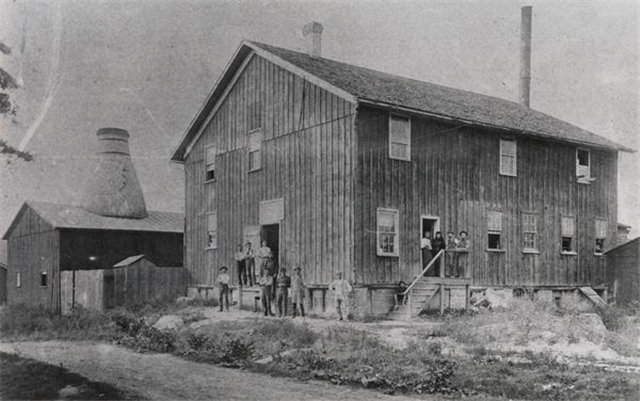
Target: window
[568,233]
[212,231]
[254,116]
[255,145]
[600,235]
[583,166]
[210,156]
[529,232]
[18,280]
[494,228]
[399,138]
[43,279]
[508,157]
[387,232]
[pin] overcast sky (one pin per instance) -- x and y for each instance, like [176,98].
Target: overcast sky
[148,66]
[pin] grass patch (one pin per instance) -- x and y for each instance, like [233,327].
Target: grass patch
[27,379]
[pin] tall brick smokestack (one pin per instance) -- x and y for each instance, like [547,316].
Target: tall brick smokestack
[113,189]
[312,33]
[525,55]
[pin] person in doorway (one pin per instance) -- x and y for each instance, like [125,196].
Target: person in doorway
[223,285]
[249,264]
[297,292]
[240,263]
[263,254]
[425,249]
[266,283]
[271,267]
[452,242]
[283,282]
[341,290]
[462,249]
[437,244]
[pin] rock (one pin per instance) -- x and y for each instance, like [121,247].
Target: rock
[169,322]
[68,392]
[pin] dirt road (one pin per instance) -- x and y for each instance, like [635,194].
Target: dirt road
[166,377]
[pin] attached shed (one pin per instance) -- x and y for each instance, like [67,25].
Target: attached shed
[623,267]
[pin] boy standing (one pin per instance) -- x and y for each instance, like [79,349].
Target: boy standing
[283,282]
[297,292]
[223,283]
[240,262]
[341,289]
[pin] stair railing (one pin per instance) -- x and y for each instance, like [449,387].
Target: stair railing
[405,294]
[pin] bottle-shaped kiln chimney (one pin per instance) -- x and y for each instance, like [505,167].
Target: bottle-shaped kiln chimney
[113,189]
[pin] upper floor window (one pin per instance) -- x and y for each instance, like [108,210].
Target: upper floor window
[583,166]
[508,157]
[529,232]
[212,231]
[254,115]
[255,150]
[600,236]
[387,232]
[18,279]
[43,279]
[568,233]
[494,230]
[399,138]
[210,160]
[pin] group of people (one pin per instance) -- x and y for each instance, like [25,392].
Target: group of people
[455,252]
[246,261]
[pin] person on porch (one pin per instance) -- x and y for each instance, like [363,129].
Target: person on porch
[425,250]
[462,249]
[438,244]
[241,266]
[450,259]
[249,264]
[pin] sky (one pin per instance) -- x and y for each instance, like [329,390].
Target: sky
[147,66]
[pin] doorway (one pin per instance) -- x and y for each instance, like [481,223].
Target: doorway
[271,234]
[429,224]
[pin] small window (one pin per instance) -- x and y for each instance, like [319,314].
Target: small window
[255,150]
[568,234]
[387,232]
[254,115]
[529,232]
[18,280]
[583,166]
[43,279]
[212,231]
[494,229]
[600,236]
[508,157]
[399,138]
[210,157]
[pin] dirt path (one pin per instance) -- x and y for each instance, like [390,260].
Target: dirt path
[166,377]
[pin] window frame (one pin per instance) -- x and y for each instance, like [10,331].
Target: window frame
[573,236]
[207,164]
[586,179]
[254,149]
[18,279]
[494,231]
[391,139]
[396,242]
[209,245]
[254,114]
[44,275]
[597,237]
[526,229]
[502,154]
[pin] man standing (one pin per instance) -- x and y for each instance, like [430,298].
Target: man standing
[240,263]
[341,289]
[263,254]
[283,282]
[438,244]
[425,249]
[297,292]
[462,248]
[266,282]
[452,242]
[249,264]
[223,284]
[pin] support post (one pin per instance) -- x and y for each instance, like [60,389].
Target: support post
[467,296]
[441,299]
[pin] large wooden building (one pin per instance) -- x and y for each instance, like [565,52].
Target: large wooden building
[342,168]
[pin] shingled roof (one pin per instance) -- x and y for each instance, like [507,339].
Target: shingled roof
[72,216]
[387,90]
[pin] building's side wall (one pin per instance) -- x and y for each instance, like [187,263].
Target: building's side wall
[34,248]
[623,265]
[307,160]
[454,174]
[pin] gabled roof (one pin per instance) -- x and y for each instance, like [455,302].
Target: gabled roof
[624,245]
[368,86]
[131,260]
[73,216]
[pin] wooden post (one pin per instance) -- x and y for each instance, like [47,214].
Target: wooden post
[467,296]
[441,299]
[443,261]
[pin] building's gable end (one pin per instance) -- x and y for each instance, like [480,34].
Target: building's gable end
[27,221]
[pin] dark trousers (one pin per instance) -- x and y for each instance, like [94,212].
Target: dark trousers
[266,300]
[339,307]
[224,295]
[250,268]
[242,272]
[281,301]
[437,264]
[295,309]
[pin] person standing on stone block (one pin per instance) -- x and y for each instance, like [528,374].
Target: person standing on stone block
[250,264]
[341,290]
[223,284]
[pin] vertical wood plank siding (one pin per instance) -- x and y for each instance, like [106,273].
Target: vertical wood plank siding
[34,248]
[453,174]
[307,149]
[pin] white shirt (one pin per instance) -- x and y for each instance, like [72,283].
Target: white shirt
[341,288]
[425,243]
[223,278]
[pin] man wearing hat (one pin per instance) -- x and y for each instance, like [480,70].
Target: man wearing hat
[462,248]
[297,292]
[283,282]
[223,283]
